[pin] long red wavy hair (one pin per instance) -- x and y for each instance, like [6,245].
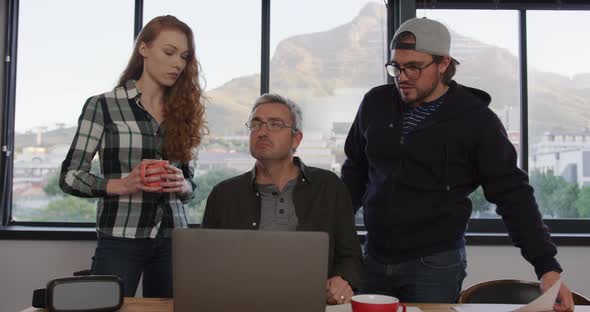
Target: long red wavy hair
[184,120]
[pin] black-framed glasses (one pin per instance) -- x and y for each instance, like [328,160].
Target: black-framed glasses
[413,72]
[271,125]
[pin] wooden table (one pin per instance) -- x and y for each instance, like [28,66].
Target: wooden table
[165,305]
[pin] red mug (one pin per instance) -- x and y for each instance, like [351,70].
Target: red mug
[152,165]
[375,303]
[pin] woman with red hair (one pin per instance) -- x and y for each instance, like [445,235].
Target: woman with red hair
[155,113]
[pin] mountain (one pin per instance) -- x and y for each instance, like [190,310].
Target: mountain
[554,101]
[228,106]
[311,66]
[353,54]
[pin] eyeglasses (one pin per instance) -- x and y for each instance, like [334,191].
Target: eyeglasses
[413,72]
[271,125]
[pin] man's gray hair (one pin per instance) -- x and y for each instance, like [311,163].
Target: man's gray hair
[296,114]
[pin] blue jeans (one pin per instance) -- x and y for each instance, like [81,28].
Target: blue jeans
[435,278]
[129,258]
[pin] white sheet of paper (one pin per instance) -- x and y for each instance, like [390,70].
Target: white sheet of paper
[543,303]
[347,308]
[488,308]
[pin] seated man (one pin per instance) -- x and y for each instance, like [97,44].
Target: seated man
[282,194]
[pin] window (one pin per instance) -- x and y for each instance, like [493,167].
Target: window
[227,43]
[325,55]
[558,80]
[485,42]
[62,60]
[326,65]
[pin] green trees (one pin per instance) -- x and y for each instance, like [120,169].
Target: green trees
[63,207]
[479,202]
[555,196]
[52,186]
[205,184]
[582,204]
[69,209]
[66,208]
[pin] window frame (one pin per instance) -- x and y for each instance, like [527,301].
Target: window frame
[480,231]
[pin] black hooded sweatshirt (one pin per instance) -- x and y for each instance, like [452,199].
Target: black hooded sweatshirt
[414,189]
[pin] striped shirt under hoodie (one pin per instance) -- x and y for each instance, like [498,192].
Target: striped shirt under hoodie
[122,132]
[414,116]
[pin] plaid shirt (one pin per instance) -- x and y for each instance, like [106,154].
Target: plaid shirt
[115,125]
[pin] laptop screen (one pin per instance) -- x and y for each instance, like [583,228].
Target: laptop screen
[246,270]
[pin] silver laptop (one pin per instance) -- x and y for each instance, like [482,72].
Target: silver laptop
[247,271]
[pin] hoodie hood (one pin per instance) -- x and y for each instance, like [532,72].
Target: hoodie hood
[460,100]
[480,95]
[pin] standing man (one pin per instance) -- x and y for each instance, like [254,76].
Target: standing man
[282,194]
[415,151]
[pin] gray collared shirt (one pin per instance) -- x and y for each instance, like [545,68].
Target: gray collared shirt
[277,208]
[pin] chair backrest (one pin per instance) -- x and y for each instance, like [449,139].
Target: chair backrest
[501,291]
[508,292]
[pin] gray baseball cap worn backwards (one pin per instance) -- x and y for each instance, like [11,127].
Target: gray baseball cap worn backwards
[432,37]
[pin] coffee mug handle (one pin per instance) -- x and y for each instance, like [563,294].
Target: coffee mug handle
[142,177]
[403,305]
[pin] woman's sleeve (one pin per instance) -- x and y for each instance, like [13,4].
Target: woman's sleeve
[75,177]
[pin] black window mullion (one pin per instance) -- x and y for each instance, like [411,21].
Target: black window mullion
[524,96]
[8,110]
[138,18]
[265,48]
[391,27]
[398,11]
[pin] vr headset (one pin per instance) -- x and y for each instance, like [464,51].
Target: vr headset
[90,293]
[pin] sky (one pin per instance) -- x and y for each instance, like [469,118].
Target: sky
[63,58]
[550,35]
